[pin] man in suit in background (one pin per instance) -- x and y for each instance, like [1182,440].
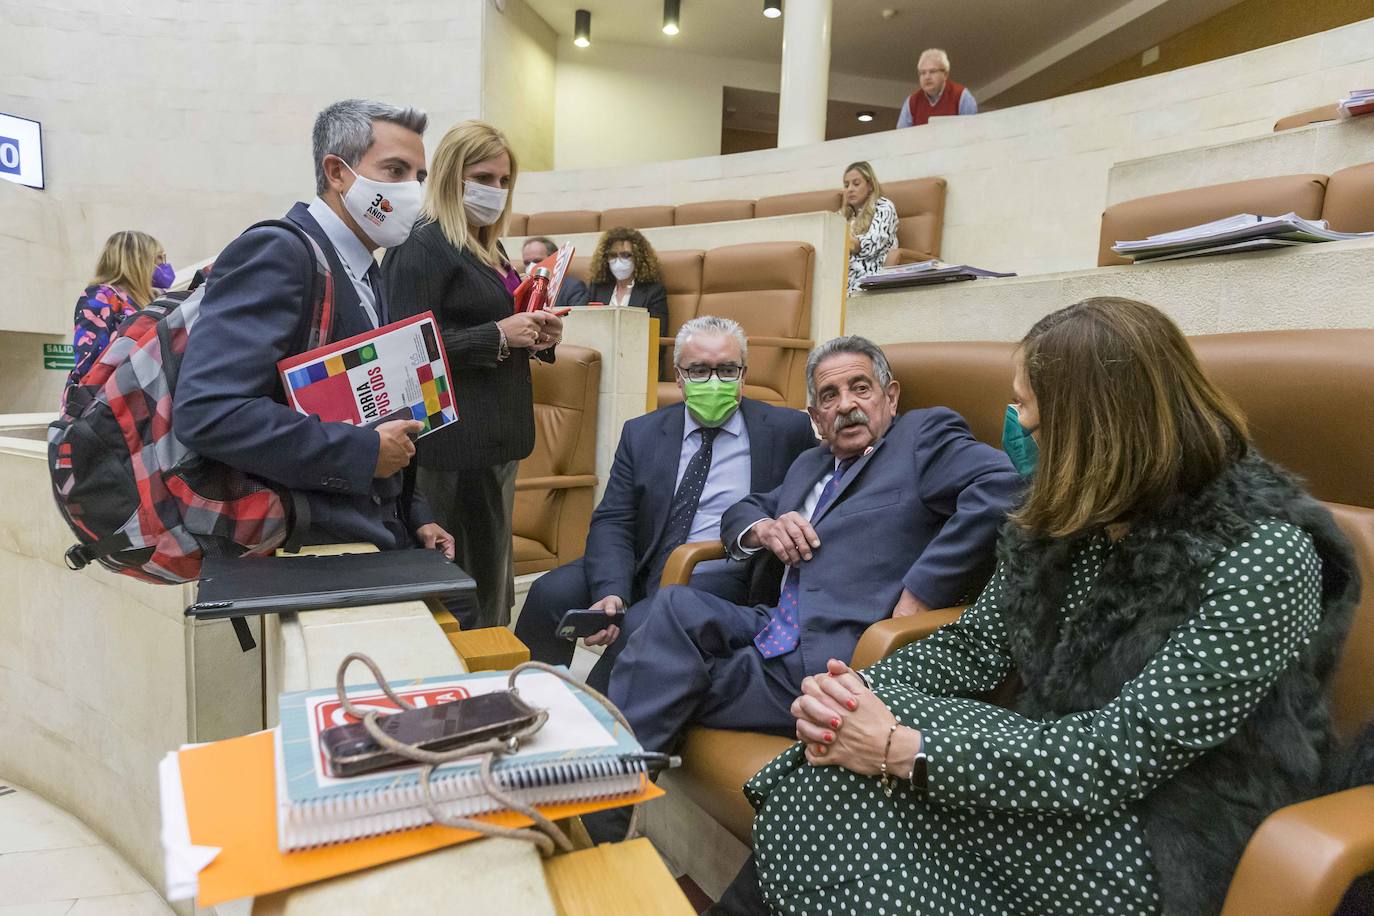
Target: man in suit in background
[715,448]
[369,164]
[573,291]
[886,519]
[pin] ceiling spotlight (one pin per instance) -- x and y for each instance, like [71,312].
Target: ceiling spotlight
[865,116]
[772,8]
[672,13]
[582,28]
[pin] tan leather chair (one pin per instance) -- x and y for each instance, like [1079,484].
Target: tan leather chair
[554,486]
[766,287]
[1310,116]
[804,202]
[1349,202]
[517,224]
[563,222]
[637,217]
[682,280]
[1146,216]
[713,211]
[920,205]
[1305,394]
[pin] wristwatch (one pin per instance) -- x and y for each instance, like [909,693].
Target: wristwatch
[918,767]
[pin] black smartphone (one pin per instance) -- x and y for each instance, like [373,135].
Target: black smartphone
[443,727]
[586,622]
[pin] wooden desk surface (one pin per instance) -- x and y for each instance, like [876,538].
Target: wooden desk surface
[615,879]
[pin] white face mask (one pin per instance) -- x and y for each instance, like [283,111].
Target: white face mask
[386,211]
[622,268]
[483,203]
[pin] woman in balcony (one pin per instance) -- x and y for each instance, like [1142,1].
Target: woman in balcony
[1171,606]
[131,266]
[872,222]
[453,263]
[625,271]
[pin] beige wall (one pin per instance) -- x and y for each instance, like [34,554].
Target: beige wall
[192,121]
[28,387]
[518,60]
[622,103]
[1027,185]
[1246,26]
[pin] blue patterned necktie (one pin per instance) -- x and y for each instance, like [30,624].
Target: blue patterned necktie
[685,503]
[783,631]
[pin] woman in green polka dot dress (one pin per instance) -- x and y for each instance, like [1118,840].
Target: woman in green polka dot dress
[1169,606]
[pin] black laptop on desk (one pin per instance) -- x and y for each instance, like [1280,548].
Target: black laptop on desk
[245,586]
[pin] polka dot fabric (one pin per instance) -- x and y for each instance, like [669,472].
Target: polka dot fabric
[1024,816]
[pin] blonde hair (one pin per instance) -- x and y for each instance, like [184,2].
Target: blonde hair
[1129,422]
[861,217]
[465,144]
[126,263]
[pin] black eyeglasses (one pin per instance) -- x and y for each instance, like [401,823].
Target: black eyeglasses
[726,373]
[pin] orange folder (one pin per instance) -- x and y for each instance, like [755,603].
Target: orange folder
[231,802]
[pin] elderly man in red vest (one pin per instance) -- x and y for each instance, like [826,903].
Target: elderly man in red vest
[938,95]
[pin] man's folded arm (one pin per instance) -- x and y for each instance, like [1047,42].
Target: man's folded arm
[225,407]
[975,486]
[744,515]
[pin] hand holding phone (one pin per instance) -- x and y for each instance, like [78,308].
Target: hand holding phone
[583,623]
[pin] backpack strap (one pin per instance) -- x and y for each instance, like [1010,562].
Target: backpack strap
[321,326]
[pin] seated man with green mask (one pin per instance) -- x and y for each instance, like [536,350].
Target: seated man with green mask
[675,473]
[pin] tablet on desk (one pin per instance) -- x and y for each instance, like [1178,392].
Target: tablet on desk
[245,586]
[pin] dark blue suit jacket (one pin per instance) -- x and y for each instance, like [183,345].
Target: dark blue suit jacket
[920,511]
[630,520]
[573,292]
[229,402]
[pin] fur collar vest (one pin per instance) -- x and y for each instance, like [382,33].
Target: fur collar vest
[1197,823]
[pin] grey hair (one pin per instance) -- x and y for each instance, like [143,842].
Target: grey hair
[550,246]
[938,53]
[344,129]
[860,346]
[710,324]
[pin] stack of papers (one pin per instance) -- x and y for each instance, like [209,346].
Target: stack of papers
[924,273]
[1358,102]
[1242,232]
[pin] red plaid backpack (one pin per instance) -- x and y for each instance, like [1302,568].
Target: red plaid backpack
[139,501]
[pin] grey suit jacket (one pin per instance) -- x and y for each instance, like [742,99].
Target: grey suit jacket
[921,511]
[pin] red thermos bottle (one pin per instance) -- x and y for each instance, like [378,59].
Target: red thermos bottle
[539,291]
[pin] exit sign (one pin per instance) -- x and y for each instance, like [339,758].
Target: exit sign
[59,356]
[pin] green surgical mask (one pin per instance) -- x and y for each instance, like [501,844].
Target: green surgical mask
[711,402]
[1018,443]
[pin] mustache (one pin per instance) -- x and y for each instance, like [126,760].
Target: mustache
[855,417]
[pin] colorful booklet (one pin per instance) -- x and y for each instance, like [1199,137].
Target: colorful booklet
[580,754]
[397,372]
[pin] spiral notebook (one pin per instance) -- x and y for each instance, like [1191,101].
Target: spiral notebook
[581,754]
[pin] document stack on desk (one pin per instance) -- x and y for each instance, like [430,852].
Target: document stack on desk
[1358,102]
[1242,232]
[581,754]
[924,273]
[256,814]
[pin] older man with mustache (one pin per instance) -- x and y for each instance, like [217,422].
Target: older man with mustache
[891,516]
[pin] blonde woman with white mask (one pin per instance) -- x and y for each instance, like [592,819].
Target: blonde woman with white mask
[453,264]
[872,222]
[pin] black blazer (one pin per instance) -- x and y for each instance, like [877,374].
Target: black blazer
[229,402]
[650,296]
[573,292]
[494,399]
[630,520]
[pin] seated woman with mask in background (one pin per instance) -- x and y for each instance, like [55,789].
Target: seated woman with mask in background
[1171,605]
[625,271]
[453,264]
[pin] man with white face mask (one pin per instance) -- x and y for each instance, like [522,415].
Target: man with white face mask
[229,404]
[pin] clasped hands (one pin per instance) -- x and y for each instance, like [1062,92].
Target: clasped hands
[537,330]
[843,723]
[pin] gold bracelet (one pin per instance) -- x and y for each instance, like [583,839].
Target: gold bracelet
[885,779]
